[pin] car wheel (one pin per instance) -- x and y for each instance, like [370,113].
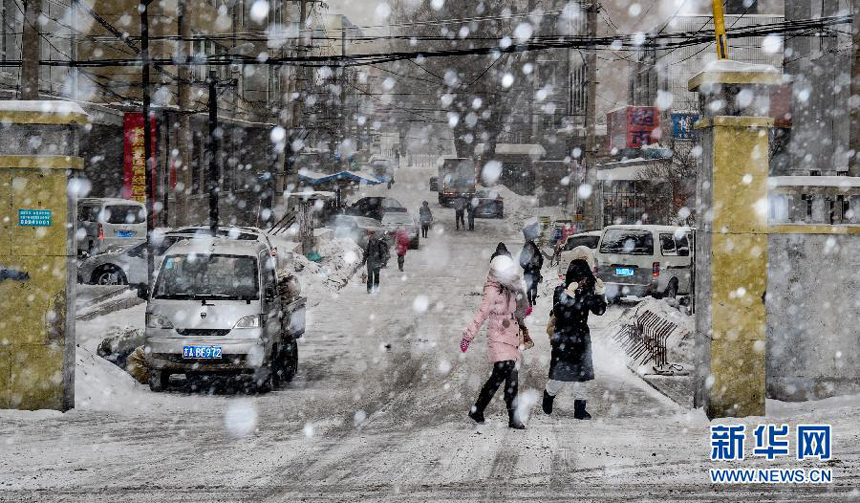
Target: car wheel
[413,245]
[264,378]
[158,380]
[671,289]
[109,275]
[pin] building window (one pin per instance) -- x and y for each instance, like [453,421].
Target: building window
[814,172]
[808,199]
[841,173]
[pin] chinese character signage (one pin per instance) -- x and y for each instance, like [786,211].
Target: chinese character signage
[682,125]
[632,127]
[34,218]
[134,166]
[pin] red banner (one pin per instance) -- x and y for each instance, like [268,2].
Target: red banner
[134,165]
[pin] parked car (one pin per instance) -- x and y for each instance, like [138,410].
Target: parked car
[490,205]
[588,239]
[355,227]
[375,207]
[218,306]
[106,222]
[124,265]
[392,222]
[644,260]
[434,184]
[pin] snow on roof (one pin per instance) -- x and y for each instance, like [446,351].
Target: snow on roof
[729,65]
[520,148]
[42,106]
[626,173]
[842,182]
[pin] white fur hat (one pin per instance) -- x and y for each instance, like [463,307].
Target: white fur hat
[583,253]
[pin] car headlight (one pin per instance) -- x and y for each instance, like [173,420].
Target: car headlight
[155,321]
[252,321]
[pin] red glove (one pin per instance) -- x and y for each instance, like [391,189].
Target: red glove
[464,345]
[528,311]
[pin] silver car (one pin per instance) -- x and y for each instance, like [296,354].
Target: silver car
[392,222]
[216,307]
[355,227]
[124,265]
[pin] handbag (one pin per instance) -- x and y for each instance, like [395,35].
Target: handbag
[550,326]
[526,341]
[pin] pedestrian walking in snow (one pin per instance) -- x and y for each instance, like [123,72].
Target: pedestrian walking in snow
[375,252]
[571,360]
[531,260]
[470,212]
[501,249]
[503,307]
[425,216]
[459,212]
[401,239]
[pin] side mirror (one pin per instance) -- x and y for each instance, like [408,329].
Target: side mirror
[143,291]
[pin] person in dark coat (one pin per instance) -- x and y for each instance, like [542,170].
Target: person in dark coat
[571,362]
[470,212]
[531,260]
[425,216]
[375,255]
[501,249]
[459,210]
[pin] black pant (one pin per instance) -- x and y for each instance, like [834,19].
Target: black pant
[502,371]
[372,276]
[459,217]
[400,259]
[471,222]
[532,280]
[424,229]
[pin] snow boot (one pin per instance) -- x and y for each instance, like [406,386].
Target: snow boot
[579,411]
[476,416]
[513,421]
[547,402]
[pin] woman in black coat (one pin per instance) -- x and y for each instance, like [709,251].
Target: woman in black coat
[571,362]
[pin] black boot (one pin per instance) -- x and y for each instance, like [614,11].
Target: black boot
[547,402]
[513,421]
[476,415]
[579,411]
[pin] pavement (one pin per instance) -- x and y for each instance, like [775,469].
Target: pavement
[377,412]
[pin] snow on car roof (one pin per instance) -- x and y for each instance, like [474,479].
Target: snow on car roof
[209,245]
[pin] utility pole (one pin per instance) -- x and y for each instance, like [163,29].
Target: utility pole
[720,30]
[147,139]
[212,147]
[185,139]
[343,81]
[591,206]
[30,50]
[854,128]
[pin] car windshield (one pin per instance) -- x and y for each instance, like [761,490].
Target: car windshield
[627,242]
[389,204]
[124,214]
[196,276]
[397,218]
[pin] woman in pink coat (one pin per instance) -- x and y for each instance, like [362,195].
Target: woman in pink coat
[503,309]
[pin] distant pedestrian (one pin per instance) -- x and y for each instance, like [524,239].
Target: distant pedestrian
[501,249]
[401,239]
[426,218]
[470,212]
[502,308]
[531,260]
[375,252]
[459,211]
[571,360]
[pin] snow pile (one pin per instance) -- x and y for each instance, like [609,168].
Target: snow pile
[101,385]
[519,209]
[341,257]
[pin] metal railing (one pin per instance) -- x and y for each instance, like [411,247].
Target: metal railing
[645,339]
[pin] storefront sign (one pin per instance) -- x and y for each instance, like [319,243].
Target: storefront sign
[134,166]
[632,127]
[34,218]
[682,125]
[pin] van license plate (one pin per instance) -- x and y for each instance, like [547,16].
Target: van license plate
[624,271]
[125,234]
[202,352]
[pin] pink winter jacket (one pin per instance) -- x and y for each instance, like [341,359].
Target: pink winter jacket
[498,307]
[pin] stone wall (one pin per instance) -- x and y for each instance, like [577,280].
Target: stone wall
[813,302]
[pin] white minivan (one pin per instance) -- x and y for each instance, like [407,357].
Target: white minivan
[109,222]
[644,260]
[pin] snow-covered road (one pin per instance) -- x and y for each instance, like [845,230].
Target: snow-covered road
[378,413]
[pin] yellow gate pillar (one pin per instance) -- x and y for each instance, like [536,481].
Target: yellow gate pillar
[731,239]
[38,154]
